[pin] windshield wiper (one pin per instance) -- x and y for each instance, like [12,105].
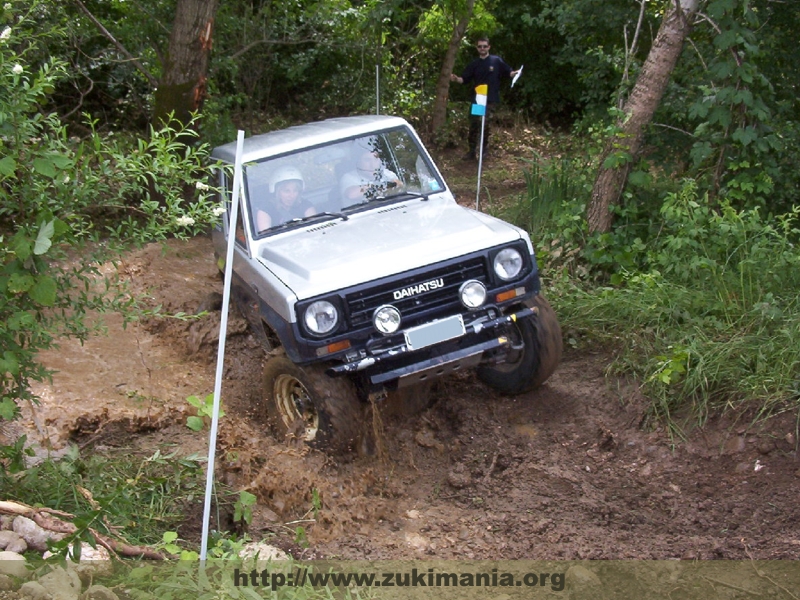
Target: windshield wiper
[335,215]
[300,220]
[400,195]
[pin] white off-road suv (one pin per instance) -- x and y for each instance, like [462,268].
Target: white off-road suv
[360,274]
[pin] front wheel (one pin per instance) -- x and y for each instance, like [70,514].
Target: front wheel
[305,404]
[535,355]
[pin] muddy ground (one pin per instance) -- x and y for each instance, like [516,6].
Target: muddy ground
[564,472]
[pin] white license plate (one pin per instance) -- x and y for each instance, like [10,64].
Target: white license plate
[435,332]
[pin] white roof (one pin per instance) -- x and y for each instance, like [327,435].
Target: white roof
[275,143]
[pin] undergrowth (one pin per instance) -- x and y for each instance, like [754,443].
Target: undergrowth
[701,304]
[144,495]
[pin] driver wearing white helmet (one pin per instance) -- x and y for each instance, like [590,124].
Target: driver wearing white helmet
[286,186]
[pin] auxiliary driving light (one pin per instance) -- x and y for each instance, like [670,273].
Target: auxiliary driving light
[386,319]
[472,293]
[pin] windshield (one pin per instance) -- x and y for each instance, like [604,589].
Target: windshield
[336,179]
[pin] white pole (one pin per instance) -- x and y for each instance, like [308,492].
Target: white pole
[377,89]
[223,327]
[480,162]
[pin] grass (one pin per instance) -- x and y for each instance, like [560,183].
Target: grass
[144,495]
[701,306]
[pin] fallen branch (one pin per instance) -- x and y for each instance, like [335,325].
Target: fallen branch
[50,520]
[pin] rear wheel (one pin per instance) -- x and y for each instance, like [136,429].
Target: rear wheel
[305,404]
[536,353]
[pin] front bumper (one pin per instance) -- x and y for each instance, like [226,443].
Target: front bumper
[382,367]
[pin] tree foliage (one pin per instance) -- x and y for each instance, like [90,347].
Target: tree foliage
[61,194]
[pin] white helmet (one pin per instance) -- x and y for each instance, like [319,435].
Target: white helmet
[285,173]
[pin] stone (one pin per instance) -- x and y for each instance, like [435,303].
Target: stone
[7,537]
[14,564]
[582,580]
[766,446]
[18,545]
[99,592]
[6,583]
[34,536]
[62,584]
[33,590]
[459,477]
[94,561]
[734,445]
[262,551]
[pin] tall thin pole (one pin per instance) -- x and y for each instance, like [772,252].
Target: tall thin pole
[223,328]
[480,163]
[377,89]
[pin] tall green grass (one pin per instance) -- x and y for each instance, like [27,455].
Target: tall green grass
[703,305]
[554,190]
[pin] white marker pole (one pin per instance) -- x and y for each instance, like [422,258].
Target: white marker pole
[480,163]
[223,328]
[479,108]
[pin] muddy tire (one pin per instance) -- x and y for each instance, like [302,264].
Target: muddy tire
[540,346]
[304,404]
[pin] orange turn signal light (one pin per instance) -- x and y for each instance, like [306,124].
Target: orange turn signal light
[508,295]
[335,347]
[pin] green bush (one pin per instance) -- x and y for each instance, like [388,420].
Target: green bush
[58,193]
[708,315]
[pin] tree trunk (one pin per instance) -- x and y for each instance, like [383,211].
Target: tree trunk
[638,112]
[439,117]
[182,88]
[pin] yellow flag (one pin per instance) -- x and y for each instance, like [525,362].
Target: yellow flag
[482,89]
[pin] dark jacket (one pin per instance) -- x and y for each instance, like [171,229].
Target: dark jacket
[487,71]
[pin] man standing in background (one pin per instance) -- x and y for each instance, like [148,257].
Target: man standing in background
[487,69]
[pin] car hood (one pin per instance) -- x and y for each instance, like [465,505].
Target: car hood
[336,254]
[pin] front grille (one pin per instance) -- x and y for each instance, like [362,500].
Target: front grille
[361,304]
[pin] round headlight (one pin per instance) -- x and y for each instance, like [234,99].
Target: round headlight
[321,317]
[508,263]
[386,319]
[472,294]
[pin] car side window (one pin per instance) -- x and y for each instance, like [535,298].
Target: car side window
[227,190]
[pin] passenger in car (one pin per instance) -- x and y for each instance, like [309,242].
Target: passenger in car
[286,202]
[369,178]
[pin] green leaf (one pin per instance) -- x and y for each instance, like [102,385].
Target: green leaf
[639,178]
[7,166]
[246,498]
[43,240]
[8,409]
[194,423]
[744,135]
[21,246]
[9,363]
[20,282]
[169,536]
[44,291]
[726,39]
[44,166]
[61,161]
[172,548]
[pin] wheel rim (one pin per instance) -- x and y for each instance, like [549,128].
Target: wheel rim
[516,353]
[295,407]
